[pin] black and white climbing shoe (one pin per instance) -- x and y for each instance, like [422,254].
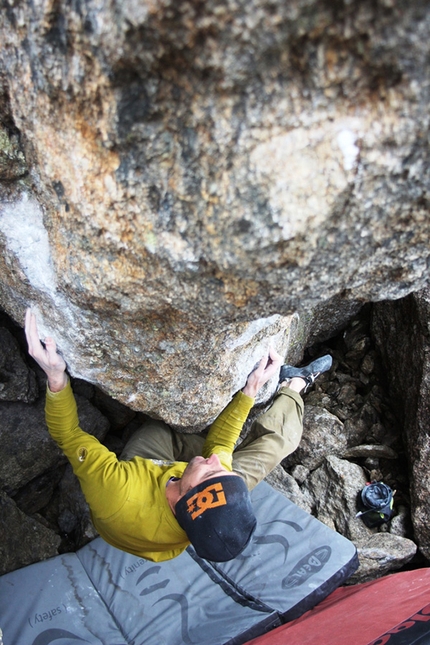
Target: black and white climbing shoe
[309,373]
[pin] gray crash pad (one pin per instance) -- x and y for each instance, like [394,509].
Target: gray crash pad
[54,601]
[294,560]
[103,595]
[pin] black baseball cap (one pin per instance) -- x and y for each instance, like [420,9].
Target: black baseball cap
[218,517]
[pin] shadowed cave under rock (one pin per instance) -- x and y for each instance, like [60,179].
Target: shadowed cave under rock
[351,435]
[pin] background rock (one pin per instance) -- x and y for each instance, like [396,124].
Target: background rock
[287,485]
[323,434]
[26,447]
[383,552]
[368,434]
[17,381]
[335,486]
[23,539]
[403,335]
[73,513]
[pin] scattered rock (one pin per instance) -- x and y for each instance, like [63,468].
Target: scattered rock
[335,486]
[73,512]
[23,539]
[401,523]
[300,473]
[367,451]
[323,434]
[38,492]
[380,554]
[287,485]
[27,449]
[369,434]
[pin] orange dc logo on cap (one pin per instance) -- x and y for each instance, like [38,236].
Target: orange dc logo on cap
[211,497]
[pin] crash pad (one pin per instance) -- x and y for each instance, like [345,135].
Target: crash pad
[101,595]
[393,610]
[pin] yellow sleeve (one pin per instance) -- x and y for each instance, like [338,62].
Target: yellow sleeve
[226,429]
[103,478]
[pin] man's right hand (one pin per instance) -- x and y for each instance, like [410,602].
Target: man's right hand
[46,357]
[267,367]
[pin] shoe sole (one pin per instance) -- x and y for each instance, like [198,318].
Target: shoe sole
[319,365]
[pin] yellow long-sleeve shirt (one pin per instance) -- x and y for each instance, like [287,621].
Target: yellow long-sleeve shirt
[127,499]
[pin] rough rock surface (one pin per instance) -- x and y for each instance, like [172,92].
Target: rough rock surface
[334,487]
[185,176]
[382,553]
[287,485]
[323,433]
[402,330]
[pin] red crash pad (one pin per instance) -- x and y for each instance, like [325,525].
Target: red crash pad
[394,610]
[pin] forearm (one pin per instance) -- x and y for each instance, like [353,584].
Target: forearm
[227,427]
[61,413]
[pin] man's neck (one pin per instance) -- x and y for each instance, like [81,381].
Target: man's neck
[172,493]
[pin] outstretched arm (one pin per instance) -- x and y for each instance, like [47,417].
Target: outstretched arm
[227,427]
[46,357]
[96,467]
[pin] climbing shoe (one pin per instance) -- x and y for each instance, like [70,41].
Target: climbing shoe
[309,373]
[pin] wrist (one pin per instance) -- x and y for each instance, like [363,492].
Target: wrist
[250,391]
[58,382]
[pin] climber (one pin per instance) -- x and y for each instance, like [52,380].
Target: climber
[169,489]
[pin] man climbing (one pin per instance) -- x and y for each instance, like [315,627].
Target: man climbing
[169,489]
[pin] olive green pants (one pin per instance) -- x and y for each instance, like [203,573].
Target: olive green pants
[273,435]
